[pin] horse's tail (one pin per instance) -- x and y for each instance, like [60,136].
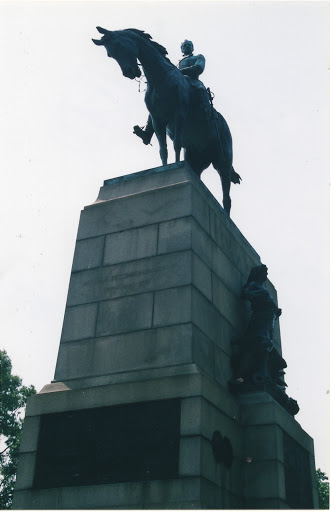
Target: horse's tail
[235,178]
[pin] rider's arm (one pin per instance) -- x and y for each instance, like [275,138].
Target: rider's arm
[197,68]
[200,63]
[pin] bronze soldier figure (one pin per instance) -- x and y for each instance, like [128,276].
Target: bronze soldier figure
[192,66]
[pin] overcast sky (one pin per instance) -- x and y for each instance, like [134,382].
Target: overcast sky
[66,118]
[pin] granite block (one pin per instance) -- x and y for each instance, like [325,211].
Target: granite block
[88,253]
[174,491]
[79,322]
[228,304]
[264,479]
[214,418]
[215,259]
[212,495]
[154,348]
[30,434]
[201,277]
[203,352]
[175,235]
[130,278]
[233,244]
[102,496]
[263,442]
[125,314]
[172,306]
[74,360]
[178,386]
[190,420]
[220,397]
[131,244]
[261,409]
[209,320]
[25,472]
[190,456]
[200,207]
[223,371]
[135,210]
[142,181]
[43,499]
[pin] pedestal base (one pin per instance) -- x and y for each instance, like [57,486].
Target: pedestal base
[139,414]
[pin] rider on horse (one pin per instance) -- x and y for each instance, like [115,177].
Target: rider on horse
[191,66]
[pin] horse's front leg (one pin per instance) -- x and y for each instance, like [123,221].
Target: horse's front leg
[226,183]
[178,138]
[160,132]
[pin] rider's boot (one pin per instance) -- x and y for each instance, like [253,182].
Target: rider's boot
[146,134]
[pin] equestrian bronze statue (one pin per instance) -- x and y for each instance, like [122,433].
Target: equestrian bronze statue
[176,103]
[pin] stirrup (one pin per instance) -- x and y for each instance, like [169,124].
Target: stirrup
[146,138]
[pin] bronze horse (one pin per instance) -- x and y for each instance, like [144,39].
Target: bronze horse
[170,101]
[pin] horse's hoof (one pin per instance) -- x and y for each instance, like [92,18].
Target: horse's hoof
[146,138]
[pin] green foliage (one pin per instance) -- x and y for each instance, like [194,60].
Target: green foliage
[322,489]
[13,399]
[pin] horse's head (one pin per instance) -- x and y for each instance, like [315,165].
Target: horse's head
[121,47]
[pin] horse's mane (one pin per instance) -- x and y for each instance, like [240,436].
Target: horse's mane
[161,49]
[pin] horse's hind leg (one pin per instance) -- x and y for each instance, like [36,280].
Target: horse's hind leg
[178,145]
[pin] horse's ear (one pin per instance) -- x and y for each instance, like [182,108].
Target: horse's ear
[98,42]
[104,31]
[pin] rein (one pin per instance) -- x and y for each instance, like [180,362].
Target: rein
[211,97]
[140,79]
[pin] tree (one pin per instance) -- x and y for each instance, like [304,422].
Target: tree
[322,489]
[13,399]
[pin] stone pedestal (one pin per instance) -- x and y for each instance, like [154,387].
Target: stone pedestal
[139,414]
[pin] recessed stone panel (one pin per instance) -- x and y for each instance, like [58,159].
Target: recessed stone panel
[298,481]
[124,443]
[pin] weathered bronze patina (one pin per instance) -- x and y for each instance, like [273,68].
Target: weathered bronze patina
[255,361]
[174,101]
